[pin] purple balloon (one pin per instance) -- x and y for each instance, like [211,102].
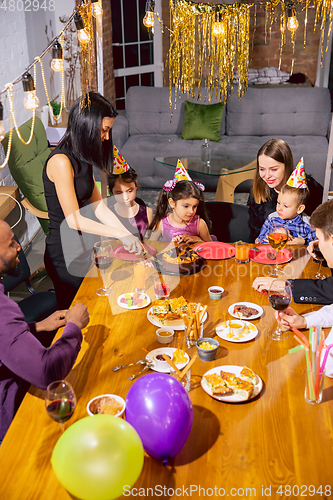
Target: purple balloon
[160,410]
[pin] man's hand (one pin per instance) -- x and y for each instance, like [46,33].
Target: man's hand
[52,322]
[290,319]
[310,248]
[262,285]
[78,315]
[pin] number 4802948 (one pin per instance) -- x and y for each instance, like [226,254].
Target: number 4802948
[304,491]
[27,5]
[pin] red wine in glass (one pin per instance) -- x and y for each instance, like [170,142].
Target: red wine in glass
[279,297]
[60,401]
[321,258]
[102,258]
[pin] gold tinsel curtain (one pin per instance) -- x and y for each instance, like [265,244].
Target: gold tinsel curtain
[210,43]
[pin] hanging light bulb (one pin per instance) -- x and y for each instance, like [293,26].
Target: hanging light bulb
[2,130]
[148,20]
[84,36]
[292,23]
[218,29]
[57,63]
[97,10]
[30,100]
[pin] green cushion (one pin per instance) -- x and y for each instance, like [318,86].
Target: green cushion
[202,121]
[26,163]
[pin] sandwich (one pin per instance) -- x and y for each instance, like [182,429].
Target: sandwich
[178,304]
[216,385]
[169,312]
[241,388]
[248,375]
[161,307]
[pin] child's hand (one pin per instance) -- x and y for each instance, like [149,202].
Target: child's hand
[296,241]
[178,239]
[187,238]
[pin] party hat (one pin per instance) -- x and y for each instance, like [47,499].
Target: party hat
[297,178]
[181,174]
[120,165]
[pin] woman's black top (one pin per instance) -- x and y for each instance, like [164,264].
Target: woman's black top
[258,212]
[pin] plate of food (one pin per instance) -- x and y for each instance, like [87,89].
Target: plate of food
[121,253]
[214,250]
[133,300]
[245,310]
[231,383]
[179,260]
[168,312]
[266,255]
[179,357]
[249,332]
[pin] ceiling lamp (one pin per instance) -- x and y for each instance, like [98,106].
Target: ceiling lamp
[57,63]
[97,10]
[30,100]
[292,23]
[148,20]
[2,130]
[84,36]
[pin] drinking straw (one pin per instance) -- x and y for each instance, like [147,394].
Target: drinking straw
[297,348]
[322,368]
[301,335]
[309,367]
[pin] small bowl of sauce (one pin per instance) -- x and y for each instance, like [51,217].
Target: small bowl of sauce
[215,292]
[165,335]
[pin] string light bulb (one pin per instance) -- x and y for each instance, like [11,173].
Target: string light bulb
[292,23]
[84,36]
[2,130]
[57,63]
[218,29]
[30,100]
[97,10]
[148,20]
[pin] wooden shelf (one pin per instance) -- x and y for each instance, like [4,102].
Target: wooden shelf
[6,203]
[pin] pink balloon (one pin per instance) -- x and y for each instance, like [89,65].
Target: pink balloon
[160,410]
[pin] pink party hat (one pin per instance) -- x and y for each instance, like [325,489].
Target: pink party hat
[120,165]
[297,178]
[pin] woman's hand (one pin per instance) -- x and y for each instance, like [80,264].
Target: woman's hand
[132,244]
[290,319]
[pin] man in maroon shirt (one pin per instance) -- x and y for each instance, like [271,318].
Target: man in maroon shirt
[23,359]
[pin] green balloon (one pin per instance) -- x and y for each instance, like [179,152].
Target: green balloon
[97,456]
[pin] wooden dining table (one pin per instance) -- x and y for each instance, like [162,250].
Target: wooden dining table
[275,445]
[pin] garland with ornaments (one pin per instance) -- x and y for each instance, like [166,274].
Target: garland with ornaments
[82,16]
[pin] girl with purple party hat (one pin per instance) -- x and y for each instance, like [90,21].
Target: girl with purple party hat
[180,214]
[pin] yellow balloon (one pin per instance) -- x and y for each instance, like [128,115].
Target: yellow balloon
[97,457]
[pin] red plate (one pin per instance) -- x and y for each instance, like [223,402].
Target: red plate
[121,253]
[261,257]
[214,250]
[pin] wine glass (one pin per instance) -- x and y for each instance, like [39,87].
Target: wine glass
[278,239]
[279,296]
[321,258]
[102,259]
[60,401]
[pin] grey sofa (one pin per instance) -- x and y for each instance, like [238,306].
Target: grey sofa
[300,116]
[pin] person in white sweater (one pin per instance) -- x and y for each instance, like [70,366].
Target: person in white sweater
[322,220]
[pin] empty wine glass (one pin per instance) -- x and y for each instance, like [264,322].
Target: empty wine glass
[278,239]
[321,258]
[279,297]
[102,259]
[60,401]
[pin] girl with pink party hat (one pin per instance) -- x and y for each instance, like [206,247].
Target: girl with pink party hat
[180,214]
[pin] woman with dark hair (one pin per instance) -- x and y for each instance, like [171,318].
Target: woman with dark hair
[69,185]
[274,166]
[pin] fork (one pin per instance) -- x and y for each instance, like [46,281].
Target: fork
[141,361]
[148,365]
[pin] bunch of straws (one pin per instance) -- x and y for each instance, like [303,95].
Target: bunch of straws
[313,350]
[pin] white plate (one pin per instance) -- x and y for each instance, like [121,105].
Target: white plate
[125,306]
[224,332]
[231,369]
[165,350]
[179,327]
[248,304]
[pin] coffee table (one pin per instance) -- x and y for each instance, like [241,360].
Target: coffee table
[231,170]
